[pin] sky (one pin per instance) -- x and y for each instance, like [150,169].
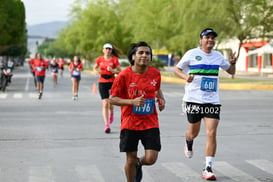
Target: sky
[43,11]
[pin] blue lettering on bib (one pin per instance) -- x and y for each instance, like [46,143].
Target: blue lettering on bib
[147,109]
[75,73]
[209,84]
[39,69]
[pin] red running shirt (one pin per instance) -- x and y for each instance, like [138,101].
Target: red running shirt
[103,64]
[31,62]
[61,63]
[129,85]
[39,67]
[72,66]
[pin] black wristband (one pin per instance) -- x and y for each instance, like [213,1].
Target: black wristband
[233,63]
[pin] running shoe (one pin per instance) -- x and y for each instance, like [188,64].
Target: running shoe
[188,149]
[107,129]
[139,174]
[111,118]
[208,174]
[40,95]
[75,97]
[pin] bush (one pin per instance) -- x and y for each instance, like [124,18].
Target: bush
[124,64]
[158,64]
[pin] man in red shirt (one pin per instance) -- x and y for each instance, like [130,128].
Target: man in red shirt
[61,64]
[136,89]
[40,67]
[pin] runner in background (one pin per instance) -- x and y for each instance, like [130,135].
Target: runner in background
[54,67]
[40,66]
[61,64]
[32,69]
[107,66]
[47,61]
[75,68]
[137,89]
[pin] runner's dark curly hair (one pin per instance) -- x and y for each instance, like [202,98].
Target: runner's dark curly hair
[133,49]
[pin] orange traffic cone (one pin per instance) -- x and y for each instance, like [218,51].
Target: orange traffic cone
[94,89]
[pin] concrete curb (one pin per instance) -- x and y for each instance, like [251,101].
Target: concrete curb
[238,86]
[224,86]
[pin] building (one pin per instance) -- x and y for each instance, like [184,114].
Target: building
[165,56]
[252,58]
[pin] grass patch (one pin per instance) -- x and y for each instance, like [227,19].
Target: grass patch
[245,81]
[230,80]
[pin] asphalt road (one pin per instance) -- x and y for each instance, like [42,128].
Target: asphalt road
[57,139]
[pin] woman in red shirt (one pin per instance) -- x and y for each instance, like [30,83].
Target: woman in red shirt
[75,69]
[109,66]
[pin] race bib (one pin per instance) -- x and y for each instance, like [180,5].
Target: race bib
[75,73]
[209,84]
[10,64]
[39,69]
[147,109]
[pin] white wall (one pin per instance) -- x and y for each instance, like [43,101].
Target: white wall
[233,44]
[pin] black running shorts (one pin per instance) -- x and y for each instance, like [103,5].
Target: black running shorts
[40,79]
[104,89]
[129,139]
[195,112]
[77,77]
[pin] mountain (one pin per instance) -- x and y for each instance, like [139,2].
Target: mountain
[49,30]
[39,32]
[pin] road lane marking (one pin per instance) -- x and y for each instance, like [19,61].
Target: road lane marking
[182,171]
[33,95]
[18,96]
[3,96]
[89,173]
[40,174]
[232,172]
[264,165]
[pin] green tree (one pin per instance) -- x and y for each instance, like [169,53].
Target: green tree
[91,28]
[165,24]
[12,28]
[248,19]
[48,50]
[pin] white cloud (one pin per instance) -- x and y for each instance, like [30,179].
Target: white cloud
[41,11]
